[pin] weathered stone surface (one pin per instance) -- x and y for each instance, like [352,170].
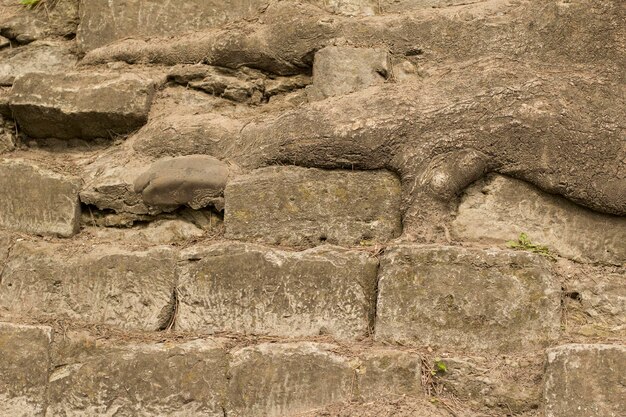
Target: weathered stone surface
[6,141]
[41,57]
[158,232]
[23,25]
[470,299]
[287,379]
[586,381]
[143,380]
[24,368]
[104,284]
[104,22]
[36,200]
[511,384]
[4,42]
[300,206]
[341,70]
[500,208]
[80,105]
[384,371]
[194,180]
[594,304]
[252,289]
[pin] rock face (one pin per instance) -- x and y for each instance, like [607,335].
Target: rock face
[586,381]
[500,208]
[143,379]
[423,299]
[292,294]
[37,57]
[36,200]
[128,289]
[306,207]
[195,180]
[80,105]
[385,372]
[104,22]
[287,379]
[24,368]
[341,70]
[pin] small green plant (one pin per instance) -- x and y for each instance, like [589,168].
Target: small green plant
[29,3]
[439,368]
[523,243]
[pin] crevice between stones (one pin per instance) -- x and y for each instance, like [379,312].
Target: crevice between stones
[170,313]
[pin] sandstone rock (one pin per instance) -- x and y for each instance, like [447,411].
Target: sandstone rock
[586,381]
[80,105]
[38,57]
[4,42]
[498,209]
[142,379]
[6,141]
[513,304]
[23,25]
[498,382]
[36,200]
[299,206]
[596,304]
[384,371]
[158,232]
[101,285]
[341,70]
[105,22]
[194,180]
[252,289]
[24,369]
[287,379]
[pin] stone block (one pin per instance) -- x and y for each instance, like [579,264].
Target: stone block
[470,299]
[36,200]
[80,105]
[307,207]
[287,379]
[39,57]
[497,382]
[101,285]
[499,208]
[145,379]
[341,70]
[24,369]
[194,180]
[586,381]
[105,22]
[244,288]
[384,372]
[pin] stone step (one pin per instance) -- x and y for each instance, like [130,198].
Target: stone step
[250,289]
[498,209]
[586,380]
[36,200]
[461,298]
[99,284]
[203,377]
[24,369]
[80,105]
[295,206]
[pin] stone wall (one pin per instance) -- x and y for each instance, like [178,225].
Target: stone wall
[313,208]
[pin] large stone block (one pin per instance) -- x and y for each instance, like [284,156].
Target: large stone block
[103,284]
[306,207]
[102,22]
[287,379]
[384,372]
[80,105]
[498,209]
[24,369]
[142,380]
[36,200]
[37,57]
[586,381]
[341,70]
[470,299]
[252,289]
